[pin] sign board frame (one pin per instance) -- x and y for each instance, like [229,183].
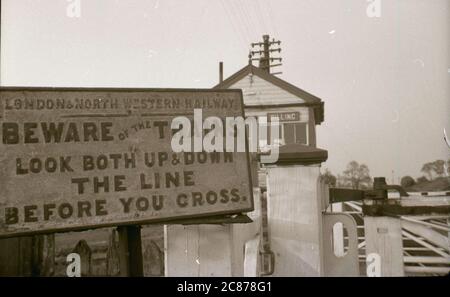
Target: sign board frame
[140,221]
[282,116]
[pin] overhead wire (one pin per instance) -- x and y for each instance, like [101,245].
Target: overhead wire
[271,18]
[261,16]
[238,32]
[242,20]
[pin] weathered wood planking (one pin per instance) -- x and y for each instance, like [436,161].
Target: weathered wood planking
[384,237]
[198,250]
[27,256]
[295,220]
[213,250]
[74,159]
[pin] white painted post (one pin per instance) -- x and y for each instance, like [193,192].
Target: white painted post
[384,238]
[209,250]
[295,207]
[252,257]
[295,220]
[295,203]
[198,250]
[338,233]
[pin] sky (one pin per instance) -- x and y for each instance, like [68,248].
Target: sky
[385,80]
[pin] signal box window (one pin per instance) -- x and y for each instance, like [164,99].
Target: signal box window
[295,133]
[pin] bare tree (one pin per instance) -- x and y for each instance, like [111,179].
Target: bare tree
[357,175]
[329,178]
[427,168]
[438,167]
[432,169]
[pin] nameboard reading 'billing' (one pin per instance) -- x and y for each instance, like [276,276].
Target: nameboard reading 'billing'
[72,159]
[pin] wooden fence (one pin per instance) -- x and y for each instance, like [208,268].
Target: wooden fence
[46,255]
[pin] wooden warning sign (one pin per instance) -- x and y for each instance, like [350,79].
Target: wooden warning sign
[84,158]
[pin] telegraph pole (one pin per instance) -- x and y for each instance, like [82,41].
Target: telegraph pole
[263,55]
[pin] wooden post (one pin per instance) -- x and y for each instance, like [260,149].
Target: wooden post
[338,260]
[112,256]
[338,233]
[130,251]
[213,250]
[198,250]
[295,208]
[48,255]
[295,220]
[15,254]
[384,237]
[209,250]
[82,248]
[22,256]
[252,258]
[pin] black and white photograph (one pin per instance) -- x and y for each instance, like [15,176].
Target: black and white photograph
[234,140]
